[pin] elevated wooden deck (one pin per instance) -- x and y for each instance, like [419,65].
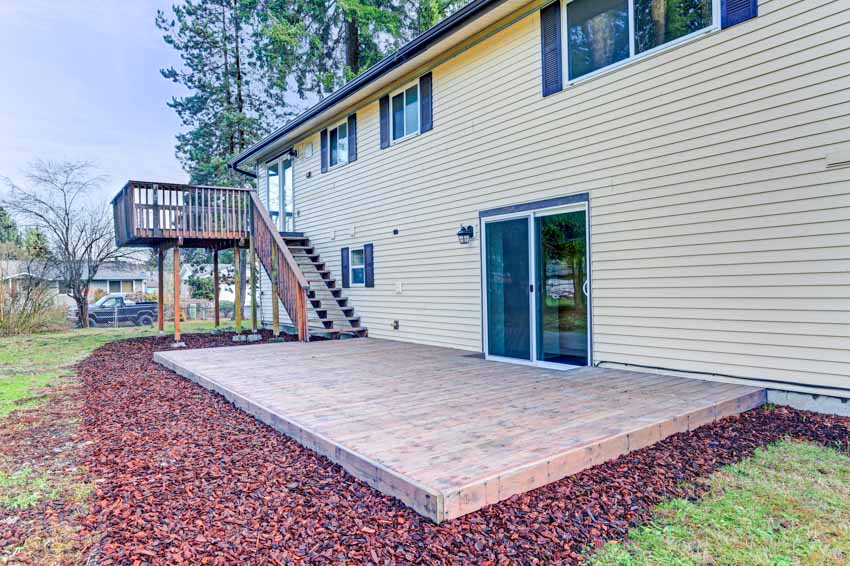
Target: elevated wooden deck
[160,215]
[445,431]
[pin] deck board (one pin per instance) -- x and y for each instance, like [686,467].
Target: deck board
[448,432]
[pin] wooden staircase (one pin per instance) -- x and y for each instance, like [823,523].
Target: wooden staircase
[329,314]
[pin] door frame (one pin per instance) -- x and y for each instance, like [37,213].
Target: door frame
[530,211]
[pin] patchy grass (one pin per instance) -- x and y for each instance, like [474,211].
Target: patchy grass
[42,488]
[788,504]
[30,363]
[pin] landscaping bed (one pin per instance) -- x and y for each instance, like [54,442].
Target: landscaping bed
[183,476]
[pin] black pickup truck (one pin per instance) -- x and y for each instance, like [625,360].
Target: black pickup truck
[105,311]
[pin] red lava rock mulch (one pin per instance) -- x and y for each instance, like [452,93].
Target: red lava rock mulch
[186,477]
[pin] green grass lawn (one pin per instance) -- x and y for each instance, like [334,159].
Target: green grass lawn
[788,504]
[30,363]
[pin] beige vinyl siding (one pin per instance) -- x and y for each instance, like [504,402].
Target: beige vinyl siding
[720,240]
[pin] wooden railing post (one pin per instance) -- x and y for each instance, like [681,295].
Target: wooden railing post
[253,255]
[156,227]
[275,299]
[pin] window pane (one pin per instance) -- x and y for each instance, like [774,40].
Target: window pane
[398,116]
[598,33]
[333,147]
[114,286]
[273,194]
[286,167]
[126,286]
[358,275]
[660,21]
[411,110]
[356,258]
[342,143]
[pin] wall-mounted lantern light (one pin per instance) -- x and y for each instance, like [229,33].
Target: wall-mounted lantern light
[465,234]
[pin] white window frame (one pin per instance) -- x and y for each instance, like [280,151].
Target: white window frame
[565,52]
[352,267]
[402,91]
[340,160]
[281,187]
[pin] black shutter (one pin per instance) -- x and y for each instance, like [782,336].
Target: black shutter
[323,137]
[550,40]
[736,11]
[352,138]
[384,105]
[426,104]
[369,260]
[346,271]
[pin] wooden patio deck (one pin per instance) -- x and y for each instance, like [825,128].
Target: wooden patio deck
[445,431]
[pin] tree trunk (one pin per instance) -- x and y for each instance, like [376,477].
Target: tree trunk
[82,311]
[352,44]
[231,144]
[237,50]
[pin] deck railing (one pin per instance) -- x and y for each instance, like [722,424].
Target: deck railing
[147,211]
[150,214]
[281,266]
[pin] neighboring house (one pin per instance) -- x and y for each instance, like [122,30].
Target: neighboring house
[120,277]
[670,192]
[16,275]
[113,277]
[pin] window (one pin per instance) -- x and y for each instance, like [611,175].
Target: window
[339,145]
[604,32]
[126,286]
[405,113]
[114,286]
[358,267]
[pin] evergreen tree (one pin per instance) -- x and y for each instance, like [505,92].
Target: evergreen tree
[36,244]
[319,45]
[232,101]
[9,233]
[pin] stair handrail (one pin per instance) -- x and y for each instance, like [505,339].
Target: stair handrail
[290,276]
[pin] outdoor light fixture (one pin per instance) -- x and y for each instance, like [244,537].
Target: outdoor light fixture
[465,234]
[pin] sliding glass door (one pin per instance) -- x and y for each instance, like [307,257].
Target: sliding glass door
[536,287]
[280,197]
[561,276]
[508,280]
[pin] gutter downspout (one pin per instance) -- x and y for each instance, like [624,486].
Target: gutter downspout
[238,170]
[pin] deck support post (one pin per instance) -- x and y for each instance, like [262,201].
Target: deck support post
[275,308]
[177,342]
[216,292]
[160,290]
[237,288]
[253,259]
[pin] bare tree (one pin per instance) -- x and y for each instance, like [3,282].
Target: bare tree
[60,199]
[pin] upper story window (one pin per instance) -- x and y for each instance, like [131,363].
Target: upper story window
[405,113]
[601,33]
[338,145]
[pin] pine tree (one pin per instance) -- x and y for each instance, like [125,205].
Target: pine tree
[319,45]
[9,233]
[232,101]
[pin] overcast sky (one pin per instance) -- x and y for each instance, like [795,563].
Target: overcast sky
[81,82]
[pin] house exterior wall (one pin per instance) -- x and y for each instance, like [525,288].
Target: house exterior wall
[720,239]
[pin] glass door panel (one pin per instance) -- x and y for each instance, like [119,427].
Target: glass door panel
[508,297]
[273,194]
[288,224]
[561,273]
